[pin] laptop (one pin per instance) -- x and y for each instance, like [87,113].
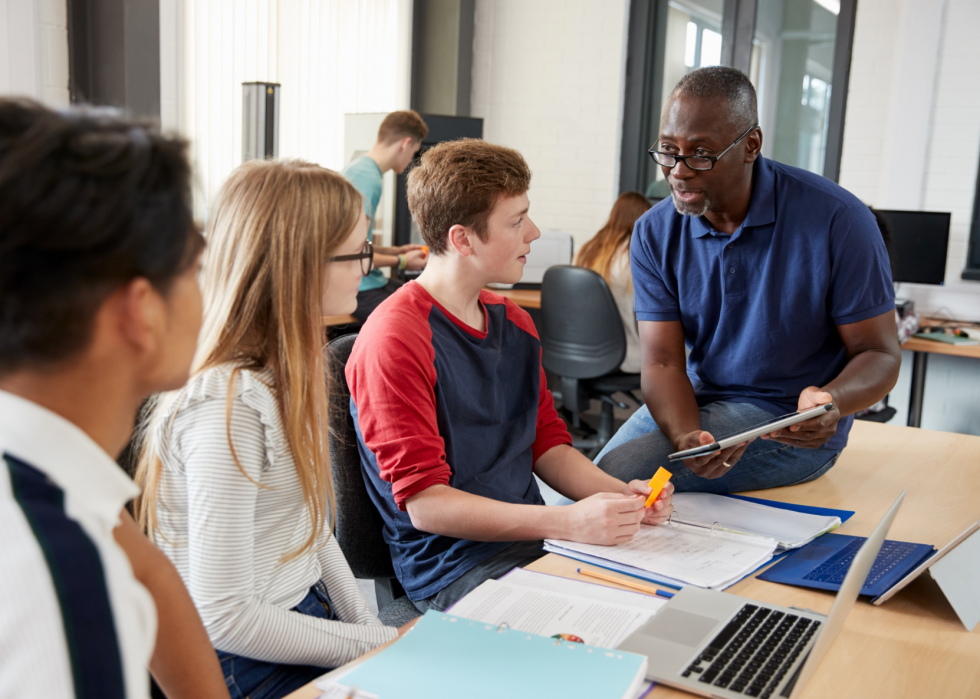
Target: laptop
[720,645]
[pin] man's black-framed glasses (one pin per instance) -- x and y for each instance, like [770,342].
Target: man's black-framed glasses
[695,162]
[366,256]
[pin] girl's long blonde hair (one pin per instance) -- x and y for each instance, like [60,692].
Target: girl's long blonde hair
[270,233]
[598,253]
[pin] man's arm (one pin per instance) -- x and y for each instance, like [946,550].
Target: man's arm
[669,395]
[870,373]
[184,663]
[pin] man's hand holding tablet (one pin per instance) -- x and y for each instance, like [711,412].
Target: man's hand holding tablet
[814,432]
[810,427]
[712,464]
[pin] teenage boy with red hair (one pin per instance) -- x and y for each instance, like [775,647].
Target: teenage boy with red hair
[450,402]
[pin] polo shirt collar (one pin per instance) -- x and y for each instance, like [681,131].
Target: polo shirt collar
[762,204]
[64,453]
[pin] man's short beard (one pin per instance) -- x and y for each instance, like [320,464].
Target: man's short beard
[685,209]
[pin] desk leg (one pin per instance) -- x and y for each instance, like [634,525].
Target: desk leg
[919,360]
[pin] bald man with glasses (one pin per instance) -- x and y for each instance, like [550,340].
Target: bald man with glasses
[778,282]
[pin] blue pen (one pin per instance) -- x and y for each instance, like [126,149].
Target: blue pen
[664,593]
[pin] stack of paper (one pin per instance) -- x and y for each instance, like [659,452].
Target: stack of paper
[677,554]
[790,529]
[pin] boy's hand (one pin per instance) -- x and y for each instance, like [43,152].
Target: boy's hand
[661,508]
[404,249]
[415,260]
[606,519]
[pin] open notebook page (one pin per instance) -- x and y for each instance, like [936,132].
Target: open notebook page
[790,529]
[690,555]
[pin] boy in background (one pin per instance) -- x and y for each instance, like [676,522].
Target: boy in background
[399,139]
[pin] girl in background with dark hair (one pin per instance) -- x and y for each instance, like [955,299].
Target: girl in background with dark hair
[608,253]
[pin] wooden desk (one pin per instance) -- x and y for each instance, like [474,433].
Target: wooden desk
[914,645]
[921,349]
[525,298]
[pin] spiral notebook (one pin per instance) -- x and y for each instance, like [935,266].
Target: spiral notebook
[712,541]
[444,656]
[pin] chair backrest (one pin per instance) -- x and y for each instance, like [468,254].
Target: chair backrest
[358,525]
[582,333]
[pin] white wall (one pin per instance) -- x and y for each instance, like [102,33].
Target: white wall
[331,57]
[548,80]
[912,141]
[912,129]
[34,50]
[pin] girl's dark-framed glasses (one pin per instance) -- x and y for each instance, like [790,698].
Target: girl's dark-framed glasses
[366,256]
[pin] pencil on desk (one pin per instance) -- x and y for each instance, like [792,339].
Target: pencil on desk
[627,583]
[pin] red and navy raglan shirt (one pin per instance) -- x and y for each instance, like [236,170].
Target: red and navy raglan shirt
[437,402]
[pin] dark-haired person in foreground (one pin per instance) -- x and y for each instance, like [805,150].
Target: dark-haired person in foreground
[449,398]
[775,278]
[99,307]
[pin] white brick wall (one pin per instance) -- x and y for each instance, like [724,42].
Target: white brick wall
[912,129]
[34,50]
[548,80]
[912,141]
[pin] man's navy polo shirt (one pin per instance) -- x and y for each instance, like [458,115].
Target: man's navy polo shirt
[760,307]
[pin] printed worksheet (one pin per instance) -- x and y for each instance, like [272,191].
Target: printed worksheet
[545,613]
[688,554]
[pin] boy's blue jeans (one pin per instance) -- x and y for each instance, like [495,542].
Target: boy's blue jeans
[639,447]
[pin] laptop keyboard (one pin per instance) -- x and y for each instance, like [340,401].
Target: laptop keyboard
[835,568]
[754,651]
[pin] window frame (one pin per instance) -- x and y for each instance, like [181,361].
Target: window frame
[646,40]
[971,272]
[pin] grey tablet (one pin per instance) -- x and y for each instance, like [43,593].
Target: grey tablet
[777,423]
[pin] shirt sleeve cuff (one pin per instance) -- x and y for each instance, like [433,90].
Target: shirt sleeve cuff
[406,487]
[865,314]
[658,315]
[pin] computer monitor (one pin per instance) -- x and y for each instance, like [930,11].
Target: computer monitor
[918,245]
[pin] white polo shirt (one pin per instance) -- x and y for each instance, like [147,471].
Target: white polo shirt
[73,619]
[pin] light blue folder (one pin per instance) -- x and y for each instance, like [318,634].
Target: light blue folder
[445,657]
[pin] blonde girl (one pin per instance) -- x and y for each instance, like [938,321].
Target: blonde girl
[235,467]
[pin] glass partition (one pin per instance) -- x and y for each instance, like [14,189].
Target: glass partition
[792,68]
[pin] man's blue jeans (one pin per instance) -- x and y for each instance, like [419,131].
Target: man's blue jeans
[639,447]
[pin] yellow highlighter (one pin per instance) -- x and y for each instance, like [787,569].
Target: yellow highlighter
[658,482]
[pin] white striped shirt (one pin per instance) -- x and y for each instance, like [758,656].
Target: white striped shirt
[227,536]
[60,499]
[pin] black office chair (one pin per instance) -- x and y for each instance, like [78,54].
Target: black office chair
[358,524]
[882,416]
[583,342]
